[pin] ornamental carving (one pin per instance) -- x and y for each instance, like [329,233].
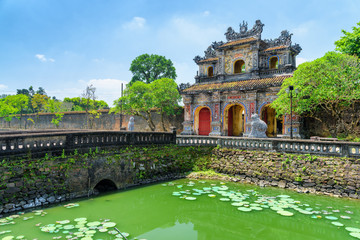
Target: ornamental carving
[283,40]
[210,52]
[256,31]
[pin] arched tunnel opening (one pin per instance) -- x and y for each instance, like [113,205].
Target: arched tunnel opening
[105,185]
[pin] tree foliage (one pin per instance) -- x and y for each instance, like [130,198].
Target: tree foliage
[329,90]
[148,68]
[350,42]
[80,104]
[140,99]
[166,97]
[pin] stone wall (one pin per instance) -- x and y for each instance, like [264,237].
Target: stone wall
[304,173]
[27,183]
[81,120]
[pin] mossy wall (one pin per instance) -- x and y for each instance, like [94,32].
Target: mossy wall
[304,173]
[27,182]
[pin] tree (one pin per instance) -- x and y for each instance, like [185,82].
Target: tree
[12,105]
[166,97]
[55,107]
[140,99]
[350,43]
[137,100]
[39,102]
[79,104]
[30,94]
[88,96]
[329,90]
[147,68]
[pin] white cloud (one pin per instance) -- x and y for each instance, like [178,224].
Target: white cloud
[98,60]
[206,13]
[300,60]
[136,23]
[2,87]
[183,31]
[42,58]
[303,29]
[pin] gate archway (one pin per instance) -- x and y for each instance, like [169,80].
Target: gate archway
[202,122]
[234,120]
[268,115]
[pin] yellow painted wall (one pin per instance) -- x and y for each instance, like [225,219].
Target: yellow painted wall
[271,121]
[237,120]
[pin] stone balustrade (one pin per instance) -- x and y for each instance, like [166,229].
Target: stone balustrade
[326,148]
[19,143]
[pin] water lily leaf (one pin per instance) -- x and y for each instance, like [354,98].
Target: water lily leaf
[224,199]
[190,198]
[92,224]
[8,238]
[285,213]
[355,234]
[245,209]
[256,208]
[338,224]
[352,229]
[109,224]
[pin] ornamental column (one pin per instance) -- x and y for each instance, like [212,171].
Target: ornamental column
[215,121]
[188,109]
[295,126]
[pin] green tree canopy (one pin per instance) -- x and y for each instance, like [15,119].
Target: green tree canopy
[140,99]
[166,97]
[80,104]
[329,90]
[12,105]
[147,68]
[350,42]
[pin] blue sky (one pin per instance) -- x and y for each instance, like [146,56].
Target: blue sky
[65,45]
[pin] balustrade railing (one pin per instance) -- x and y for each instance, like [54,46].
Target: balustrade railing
[39,142]
[329,148]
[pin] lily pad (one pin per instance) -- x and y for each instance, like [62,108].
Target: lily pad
[355,234]
[352,229]
[190,198]
[338,224]
[8,238]
[63,222]
[256,208]
[285,213]
[92,224]
[68,227]
[224,199]
[244,209]
[109,224]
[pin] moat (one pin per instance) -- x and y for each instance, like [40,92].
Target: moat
[192,209]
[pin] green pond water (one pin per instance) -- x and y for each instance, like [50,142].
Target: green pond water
[220,211]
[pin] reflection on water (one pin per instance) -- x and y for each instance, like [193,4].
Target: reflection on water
[153,213]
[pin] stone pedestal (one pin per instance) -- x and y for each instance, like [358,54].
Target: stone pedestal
[215,129]
[188,128]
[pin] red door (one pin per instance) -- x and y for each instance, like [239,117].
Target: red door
[204,121]
[230,122]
